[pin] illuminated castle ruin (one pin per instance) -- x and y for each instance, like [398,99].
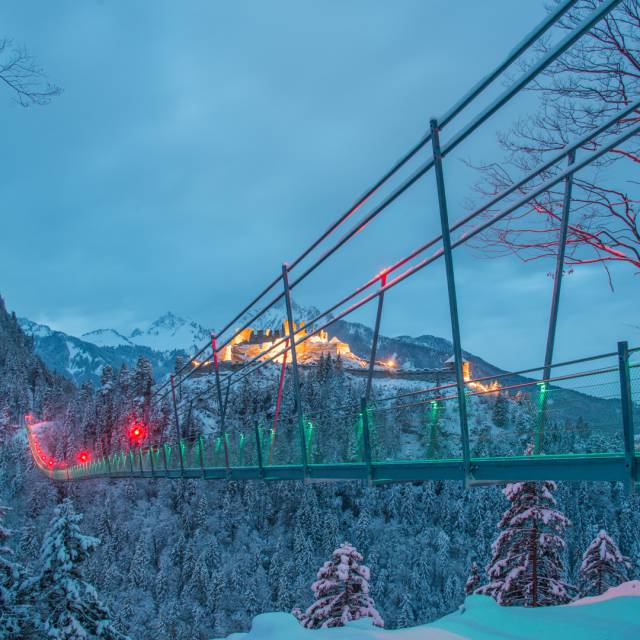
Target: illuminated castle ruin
[249,343]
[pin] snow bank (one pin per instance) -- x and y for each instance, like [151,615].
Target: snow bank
[631,588]
[481,618]
[283,626]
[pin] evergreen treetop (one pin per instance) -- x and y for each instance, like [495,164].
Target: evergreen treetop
[603,566]
[341,592]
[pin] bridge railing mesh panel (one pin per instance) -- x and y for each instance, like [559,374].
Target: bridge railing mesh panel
[411,431]
[334,437]
[576,412]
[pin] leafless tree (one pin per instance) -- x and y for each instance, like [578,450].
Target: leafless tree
[598,76]
[23,76]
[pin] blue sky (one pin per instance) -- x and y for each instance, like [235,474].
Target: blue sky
[198,145]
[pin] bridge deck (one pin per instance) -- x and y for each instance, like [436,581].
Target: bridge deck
[568,467]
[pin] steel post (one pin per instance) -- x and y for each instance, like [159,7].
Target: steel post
[376,335]
[166,461]
[222,407]
[453,300]
[627,416]
[555,301]
[283,370]
[201,451]
[294,366]
[175,412]
[366,438]
[259,450]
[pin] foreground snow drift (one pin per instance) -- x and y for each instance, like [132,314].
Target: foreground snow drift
[615,614]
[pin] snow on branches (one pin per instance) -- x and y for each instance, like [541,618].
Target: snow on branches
[341,592]
[526,566]
[74,610]
[603,566]
[473,581]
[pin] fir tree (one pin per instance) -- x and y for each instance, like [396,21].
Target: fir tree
[603,566]
[526,565]
[15,596]
[501,411]
[73,609]
[473,581]
[341,592]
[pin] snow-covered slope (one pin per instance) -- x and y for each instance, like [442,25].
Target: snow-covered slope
[82,360]
[170,333]
[106,338]
[274,317]
[614,615]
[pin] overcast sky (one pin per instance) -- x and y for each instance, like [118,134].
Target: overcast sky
[198,145]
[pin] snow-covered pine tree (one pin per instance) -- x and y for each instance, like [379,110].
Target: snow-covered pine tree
[473,581]
[603,566]
[341,592]
[72,608]
[526,566]
[15,610]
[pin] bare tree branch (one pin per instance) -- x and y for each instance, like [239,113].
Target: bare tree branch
[597,77]
[24,78]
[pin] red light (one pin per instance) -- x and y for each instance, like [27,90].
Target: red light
[50,462]
[83,456]
[137,433]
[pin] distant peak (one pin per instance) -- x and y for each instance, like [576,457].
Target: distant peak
[106,338]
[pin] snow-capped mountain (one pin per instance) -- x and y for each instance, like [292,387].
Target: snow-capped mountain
[170,333]
[106,338]
[166,334]
[82,359]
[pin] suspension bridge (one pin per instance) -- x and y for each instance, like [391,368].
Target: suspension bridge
[602,390]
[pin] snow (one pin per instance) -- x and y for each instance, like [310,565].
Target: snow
[106,338]
[631,588]
[481,618]
[34,329]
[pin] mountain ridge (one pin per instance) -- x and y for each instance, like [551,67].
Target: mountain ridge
[162,340]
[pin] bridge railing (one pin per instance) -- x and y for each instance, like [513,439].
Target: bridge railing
[581,410]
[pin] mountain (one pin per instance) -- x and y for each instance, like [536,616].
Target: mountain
[171,333]
[423,352]
[106,338]
[276,315]
[166,334]
[82,359]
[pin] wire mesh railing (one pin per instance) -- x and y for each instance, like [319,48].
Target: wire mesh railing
[579,414]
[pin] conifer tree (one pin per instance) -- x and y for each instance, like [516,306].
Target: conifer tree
[73,610]
[603,566]
[473,581]
[341,592]
[15,595]
[501,411]
[526,566]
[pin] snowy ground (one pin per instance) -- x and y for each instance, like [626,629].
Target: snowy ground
[613,616]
